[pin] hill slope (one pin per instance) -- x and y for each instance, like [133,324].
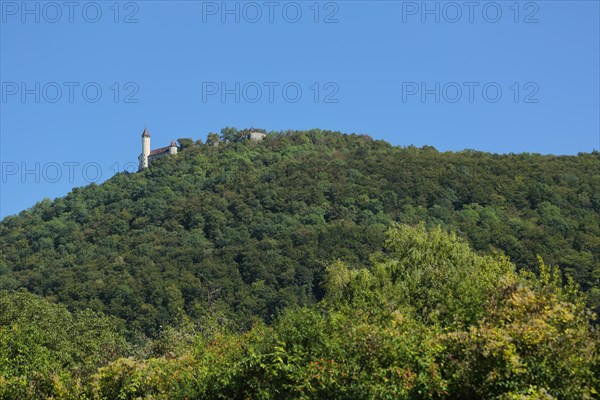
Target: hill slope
[243,230]
[427,318]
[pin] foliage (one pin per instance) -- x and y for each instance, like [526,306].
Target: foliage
[246,229]
[528,341]
[45,351]
[432,272]
[367,340]
[308,265]
[184,143]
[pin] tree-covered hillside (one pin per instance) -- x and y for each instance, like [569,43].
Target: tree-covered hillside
[242,230]
[309,265]
[427,318]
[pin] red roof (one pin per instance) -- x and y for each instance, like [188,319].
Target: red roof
[159,151]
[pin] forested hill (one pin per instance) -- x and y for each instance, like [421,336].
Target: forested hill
[244,229]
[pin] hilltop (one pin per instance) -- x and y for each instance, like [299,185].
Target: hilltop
[245,229]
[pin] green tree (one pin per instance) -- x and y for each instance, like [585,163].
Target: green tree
[229,134]
[46,352]
[185,143]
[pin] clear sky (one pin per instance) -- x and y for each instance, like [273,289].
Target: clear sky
[81,79]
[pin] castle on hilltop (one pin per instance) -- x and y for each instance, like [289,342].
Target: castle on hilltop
[148,155]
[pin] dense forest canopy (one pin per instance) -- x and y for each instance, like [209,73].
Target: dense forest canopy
[427,318]
[308,232]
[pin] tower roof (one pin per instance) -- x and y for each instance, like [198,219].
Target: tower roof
[173,144]
[145,133]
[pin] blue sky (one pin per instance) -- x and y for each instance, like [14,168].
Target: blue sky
[80,80]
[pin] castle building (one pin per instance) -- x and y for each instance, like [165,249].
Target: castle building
[256,136]
[148,155]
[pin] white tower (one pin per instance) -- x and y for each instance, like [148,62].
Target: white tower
[173,148]
[145,150]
